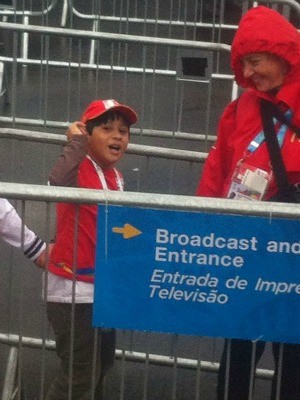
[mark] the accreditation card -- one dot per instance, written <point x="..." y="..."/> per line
<point x="248" y="183"/>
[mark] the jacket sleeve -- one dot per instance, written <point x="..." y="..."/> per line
<point x="65" y="170"/>
<point x="215" y="171"/>
<point x="11" y="228"/>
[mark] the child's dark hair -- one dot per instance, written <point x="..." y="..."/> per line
<point x="110" y="115"/>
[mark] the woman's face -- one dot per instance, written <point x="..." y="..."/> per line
<point x="267" y="71"/>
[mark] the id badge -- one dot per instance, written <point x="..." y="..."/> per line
<point x="248" y="183"/>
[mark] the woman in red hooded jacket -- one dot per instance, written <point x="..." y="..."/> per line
<point x="265" y="58"/>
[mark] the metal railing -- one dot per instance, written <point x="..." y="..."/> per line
<point x="135" y="149"/>
<point x="152" y="51"/>
<point x="25" y="15"/>
<point x="13" y="341"/>
<point x="47" y="194"/>
<point x="177" y="21"/>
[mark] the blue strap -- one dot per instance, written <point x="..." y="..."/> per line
<point x="260" y="137"/>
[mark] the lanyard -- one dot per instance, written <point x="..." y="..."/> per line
<point x="102" y="177"/>
<point x="260" y="137"/>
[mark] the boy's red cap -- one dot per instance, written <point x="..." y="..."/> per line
<point x="99" y="107"/>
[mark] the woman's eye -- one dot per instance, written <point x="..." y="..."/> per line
<point x="251" y="62"/>
<point x="255" y="62"/>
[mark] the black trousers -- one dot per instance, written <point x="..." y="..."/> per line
<point x="93" y="353"/>
<point x="240" y="379"/>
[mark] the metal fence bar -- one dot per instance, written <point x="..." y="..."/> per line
<point x="153" y="21"/>
<point x="176" y="22"/>
<point x="42" y="136"/>
<point x="10" y="373"/>
<point x="135" y="149"/>
<point x="119" y="37"/>
<point x="45" y="323"/>
<point x="64" y="13"/>
<point x="129" y="355"/>
<point x="103" y="67"/>
<point x="20" y="307"/>
<point x="161" y="201"/>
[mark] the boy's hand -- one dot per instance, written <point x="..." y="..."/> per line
<point x="41" y="261"/>
<point x="76" y="128"/>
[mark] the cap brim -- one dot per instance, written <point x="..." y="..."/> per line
<point x="127" y="112"/>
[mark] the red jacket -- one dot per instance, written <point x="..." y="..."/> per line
<point x="63" y="261"/>
<point x="262" y="29"/>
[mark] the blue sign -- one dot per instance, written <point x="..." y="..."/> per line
<point x="196" y="273"/>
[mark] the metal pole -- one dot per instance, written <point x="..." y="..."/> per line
<point x="10" y="374"/>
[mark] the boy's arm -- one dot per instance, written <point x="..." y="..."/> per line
<point x="64" y="172"/>
<point x="11" y="231"/>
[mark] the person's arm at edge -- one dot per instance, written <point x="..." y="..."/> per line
<point x="11" y="227"/>
<point x="214" y="172"/>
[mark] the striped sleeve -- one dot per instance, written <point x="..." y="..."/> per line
<point x="35" y="249"/>
<point x="11" y="228"/>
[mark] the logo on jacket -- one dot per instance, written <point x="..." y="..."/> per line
<point x="295" y="138"/>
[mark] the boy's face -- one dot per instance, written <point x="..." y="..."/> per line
<point x="108" y="142"/>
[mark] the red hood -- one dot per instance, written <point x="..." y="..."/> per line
<point x="264" y="30"/>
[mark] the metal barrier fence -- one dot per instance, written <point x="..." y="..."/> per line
<point x="48" y="88"/>
<point x="142" y="166"/>
<point x="203" y="20"/>
<point x="187" y="16"/>
<point x="27" y="330"/>
<point x="24" y="309"/>
<point x="15" y="11"/>
<point x="13" y="383"/>
<point x="146" y="72"/>
<point x="22" y="331"/>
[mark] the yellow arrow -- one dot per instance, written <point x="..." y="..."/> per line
<point x="128" y="231"/>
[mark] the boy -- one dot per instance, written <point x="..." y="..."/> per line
<point x="94" y="145"/>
